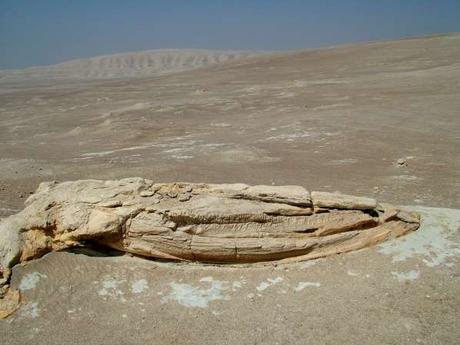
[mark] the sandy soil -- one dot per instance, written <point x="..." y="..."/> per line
<point x="333" y="119"/>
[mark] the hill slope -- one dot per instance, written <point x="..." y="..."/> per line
<point x="134" y="64"/>
<point x="333" y="119"/>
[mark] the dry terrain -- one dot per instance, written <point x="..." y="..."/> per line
<point x="333" y="119"/>
<point x="123" y="65"/>
<point x="378" y="119"/>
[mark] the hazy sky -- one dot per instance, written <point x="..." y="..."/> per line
<point x="37" y="32"/>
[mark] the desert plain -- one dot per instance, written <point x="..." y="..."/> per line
<point x="377" y="119"/>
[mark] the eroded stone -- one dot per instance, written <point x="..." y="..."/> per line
<point x="342" y="201"/>
<point x="196" y="222"/>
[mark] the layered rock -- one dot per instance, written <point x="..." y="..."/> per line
<point x="197" y="222"/>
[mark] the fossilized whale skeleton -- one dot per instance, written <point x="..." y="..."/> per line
<point x="220" y="223"/>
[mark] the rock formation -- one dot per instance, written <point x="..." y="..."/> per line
<point x="197" y="222"/>
<point x="220" y="223"/>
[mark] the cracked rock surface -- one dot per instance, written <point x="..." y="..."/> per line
<point x="219" y="223"/>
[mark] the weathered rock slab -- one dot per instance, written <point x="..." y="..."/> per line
<point x="196" y="222"/>
<point x="341" y="201"/>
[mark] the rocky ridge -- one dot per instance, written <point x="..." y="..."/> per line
<point x="127" y="65"/>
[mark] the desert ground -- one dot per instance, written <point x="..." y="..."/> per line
<point x="376" y="119"/>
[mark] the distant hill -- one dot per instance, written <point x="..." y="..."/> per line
<point x="134" y="64"/>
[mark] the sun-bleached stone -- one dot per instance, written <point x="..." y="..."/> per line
<point x="196" y="222"/>
<point x="342" y="201"/>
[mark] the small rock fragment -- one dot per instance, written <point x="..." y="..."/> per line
<point x="401" y="162"/>
<point x="184" y="197"/>
<point x="146" y="193"/>
<point x="172" y="194"/>
<point x="408" y="217"/>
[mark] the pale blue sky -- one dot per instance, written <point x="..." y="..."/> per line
<point x="41" y="32"/>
